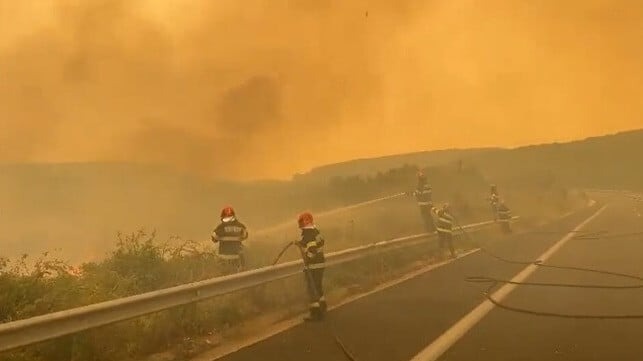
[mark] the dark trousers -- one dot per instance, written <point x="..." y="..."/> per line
<point x="505" y="226"/>
<point x="445" y="240"/>
<point x="427" y="218"/>
<point x="494" y="211"/>
<point x="230" y="266"/>
<point x="314" y="283"/>
<point x="234" y="249"/>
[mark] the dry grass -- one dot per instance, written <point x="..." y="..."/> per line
<point x="139" y="264"/>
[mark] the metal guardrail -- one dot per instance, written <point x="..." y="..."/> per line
<point x="49" y="326"/>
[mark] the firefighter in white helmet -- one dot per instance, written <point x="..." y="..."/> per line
<point x="493" y="199"/>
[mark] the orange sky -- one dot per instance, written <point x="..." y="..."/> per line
<point x="266" y="88"/>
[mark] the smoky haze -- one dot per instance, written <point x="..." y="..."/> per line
<point x="247" y="89"/>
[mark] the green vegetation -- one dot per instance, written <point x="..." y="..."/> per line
<point x="44" y="204"/>
<point x="139" y="264"/>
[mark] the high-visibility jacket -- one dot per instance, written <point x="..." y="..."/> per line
<point x="444" y="222"/>
<point x="423" y="196"/>
<point x="504" y="214"/>
<point x="312" y="244"/>
<point x="230" y="236"/>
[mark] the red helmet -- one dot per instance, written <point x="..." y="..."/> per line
<point x="305" y="219"/>
<point x="227" y="212"/>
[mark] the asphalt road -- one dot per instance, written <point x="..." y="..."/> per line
<point x="399" y="322"/>
<point x="504" y="335"/>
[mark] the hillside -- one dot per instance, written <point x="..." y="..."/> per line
<point x="605" y="161"/>
<point x="82" y="207"/>
<point x="613" y="161"/>
<point x="370" y="166"/>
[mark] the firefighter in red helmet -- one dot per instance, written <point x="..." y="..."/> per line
<point x="230" y="234"/>
<point x="311" y="245"/>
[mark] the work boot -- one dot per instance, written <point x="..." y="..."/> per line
<point x="323" y="307"/>
<point x="315" y="312"/>
<point x="313" y="316"/>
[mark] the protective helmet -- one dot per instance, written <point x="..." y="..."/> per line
<point x="305" y="219"/>
<point x="227" y="212"/>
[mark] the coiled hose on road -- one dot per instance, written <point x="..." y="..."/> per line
<point x="494" y="282"/>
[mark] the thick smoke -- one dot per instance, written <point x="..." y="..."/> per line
<point x="260" y="88"/>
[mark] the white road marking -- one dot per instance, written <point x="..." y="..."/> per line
<point x="235" y="346"/>
<point x="440" y="345"/>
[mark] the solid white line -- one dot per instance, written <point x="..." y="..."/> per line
<point x="460" y="328"/>
<point x="234" y="346"/>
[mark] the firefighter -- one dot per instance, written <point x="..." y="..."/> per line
<point x="230" y="234"/>
<point x="445" y="227"/>
<point x="494" y="198"/>
<point x="423" y="195"/>
<point x="504" y="216"/>
<point x="311" y="246"/>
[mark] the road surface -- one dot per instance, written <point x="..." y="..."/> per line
<point x="401" y="321"/>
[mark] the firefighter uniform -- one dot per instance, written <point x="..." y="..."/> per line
<point x="445" y="228"/>
<point x="312" y="247"/>
<point x="504" y="217"/>
<point x="493" y="202"/>
<point x="423" y="195"/>
<point x="230" y="234"/>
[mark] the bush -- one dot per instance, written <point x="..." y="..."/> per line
<point x="139" y="264"/>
